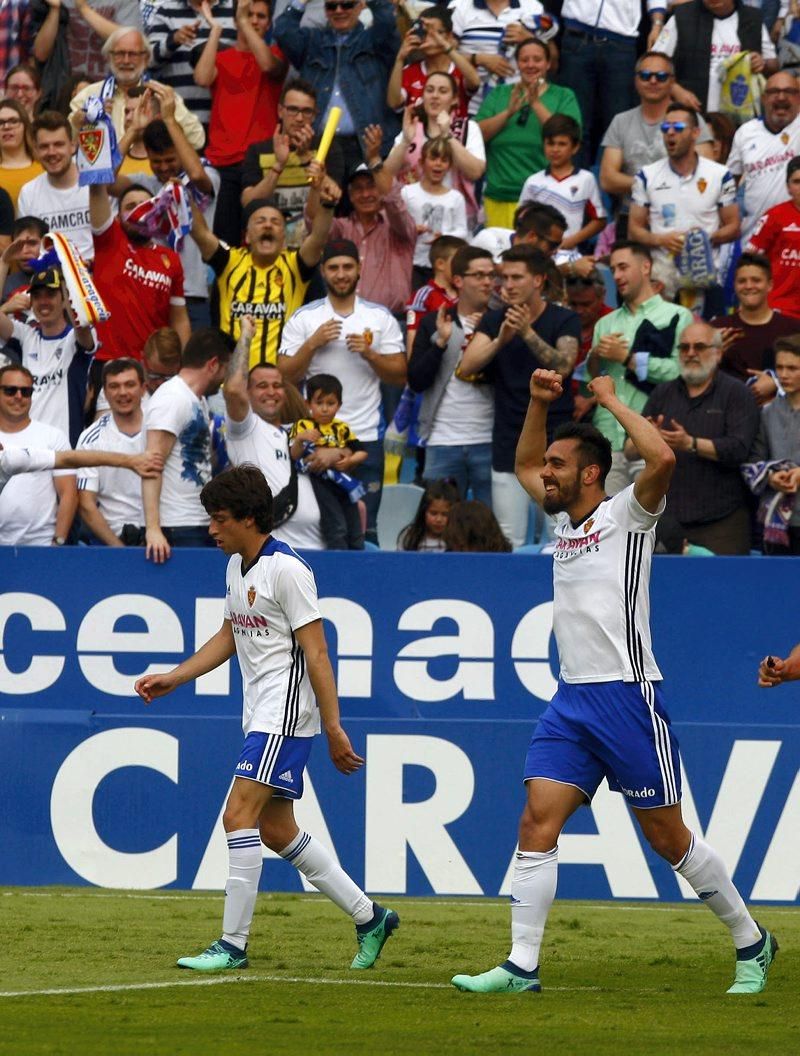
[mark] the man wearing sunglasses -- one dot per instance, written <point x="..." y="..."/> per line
<point x="348" y="66"/>
<point x="763" y="147"/>
<point x="710" y="421"/>
<point x="684" y="193"/>
<point x="634" y="139"/>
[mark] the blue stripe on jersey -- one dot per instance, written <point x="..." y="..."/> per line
<point x="275" y="546"/>
<point x="94" y="430"/>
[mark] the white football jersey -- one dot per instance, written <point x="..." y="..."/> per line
<point x="601" y="590"/>
<point x="266" y="603"/>
<point x="118" y="491"/>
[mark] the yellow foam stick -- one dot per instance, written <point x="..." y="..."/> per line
<point x="328" y="133"/>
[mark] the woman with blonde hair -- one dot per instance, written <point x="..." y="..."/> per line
<point x="18" y="162"/>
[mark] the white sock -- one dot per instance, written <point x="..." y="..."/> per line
<point x="533" y="889"/>
<point x="315" y="863"/>
<point x="244" y="872"/>
<point x="704" y="870"/>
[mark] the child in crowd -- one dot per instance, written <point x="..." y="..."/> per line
<point x="426" y="531"/>
<point x="336" y="491"/>
<point x="438" y="291"/>
<point x="435" y="209"/>
<point x="432" y="35"/>
<point x="574" y="192"/>
<point x="473" y="528"/>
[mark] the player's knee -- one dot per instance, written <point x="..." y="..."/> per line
<point x="537" y="832"/>
<point x="667" y="841"/>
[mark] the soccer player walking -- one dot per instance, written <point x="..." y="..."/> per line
<point x="273" y="623"/>
<point x="607" y="718"/>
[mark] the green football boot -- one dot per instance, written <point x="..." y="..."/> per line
<point x="217" y="958"/>
<point x="372" y="937"/>
<point x="752" y="968"/>
<point x="505" y="979"/>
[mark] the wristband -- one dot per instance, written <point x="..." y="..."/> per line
<point x="274" y="168"/>
<point x="694" y="445"/>
<point x="376" y="166"/>
<point x="327" y="205"/>
<point x="58" y="541"/>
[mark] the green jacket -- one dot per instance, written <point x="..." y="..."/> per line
<point x="648" y="368"/>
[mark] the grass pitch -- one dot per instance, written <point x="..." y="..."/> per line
<point x="92" y="972"/>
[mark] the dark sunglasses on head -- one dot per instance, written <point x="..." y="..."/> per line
<point x="23" y="390"/>
<point x="344" y="5"/>
<point x="673" y="126"/>
<point x="653" y="75"/>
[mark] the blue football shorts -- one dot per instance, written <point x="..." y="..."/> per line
<point x="616" y="730"/>
<point x="274" y="760"/>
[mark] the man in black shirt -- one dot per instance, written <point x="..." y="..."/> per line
<point x="509" y="344"/>
<point x="710" y="420"/>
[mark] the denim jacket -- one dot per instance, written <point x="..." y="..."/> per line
<point x="365" y="63"/>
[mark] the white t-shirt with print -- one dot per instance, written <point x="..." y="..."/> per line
<point x="175" y="409"/>
<point x="64" y="210"/>
<point x="440" y="214"/>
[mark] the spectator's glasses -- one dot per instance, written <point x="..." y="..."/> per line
<point x="153" y="375"/>
<point x="673" y="126"/>
<point x="772" y="92"/>
<point x="21" y="89"/>
<point x="127" y="54"/>
<point x="653" y="75"/>
<point x="337" y="5"/>
<point x="23" y="390"/>
<point x="481" y="276"/>
<point x="299" y="111"/>
<point x="10" y="122"/>
<point x="693" y="346"/>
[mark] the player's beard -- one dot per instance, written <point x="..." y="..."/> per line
<point x="563" y="498"/>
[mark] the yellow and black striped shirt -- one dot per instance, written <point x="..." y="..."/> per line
<point x="270" y="295"/>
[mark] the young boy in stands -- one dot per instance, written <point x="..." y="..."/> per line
<point x="336" y="491"/>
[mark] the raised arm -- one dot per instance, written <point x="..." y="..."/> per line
<point x="659" y="459"/>
<point x="327" y="194"/>
<point x="268" y="62"/>
<point x="545" y="386"/>
<point x="45" y="39"/>
<point x="102" y="26"/>
<point x="207" y="241"/>
<point x="237" y="376"/>
<point x="187" y="155"/>
<point x="205" y="72"/>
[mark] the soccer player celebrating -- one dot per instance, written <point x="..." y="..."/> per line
<point x="272" y="622"/>
<point x="607" y="718"/>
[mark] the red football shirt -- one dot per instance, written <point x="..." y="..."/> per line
<point x="244" y="106"/>
<point x="138" y="285"/>
<point x="413" y="81"/>
<point x="777" y="235"/>
<point x="428" y="298"/>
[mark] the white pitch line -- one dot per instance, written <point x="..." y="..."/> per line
<point x="310" y="899"/>
<point x="218" y="980"/>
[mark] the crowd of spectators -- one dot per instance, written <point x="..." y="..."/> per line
<point x="587" y="187"/>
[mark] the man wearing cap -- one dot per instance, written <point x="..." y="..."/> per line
<point x="357" y="341"/>
<point x="384" y="232"/>
<point x="263" y="278"/>
<point x="57" y="355"/>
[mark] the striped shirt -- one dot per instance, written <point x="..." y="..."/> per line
<point x="266" y="602"/>
<point x="174" y="64"/>
<point x="601" y="592"/>
<point x="269" y="294"/>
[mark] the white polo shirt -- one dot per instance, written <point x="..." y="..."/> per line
<point x="118" y="490"/>
<point x="760" y="158"/>
<point x="678" y="203"/>
<point x="361" y="389"/>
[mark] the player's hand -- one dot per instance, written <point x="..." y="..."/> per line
<point x="326" y="333"/>
<point x="613" y="347"/>
<point x="546" y="385"/>
<point x="771" y="672"/>
<point x="149" y="687"/>
<point x="603" y="389"/>
<point x="764" y="387"/>
<point x="149" y="464"/>
<point x="341" y="751"/>
<point x="157" y="548"/>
